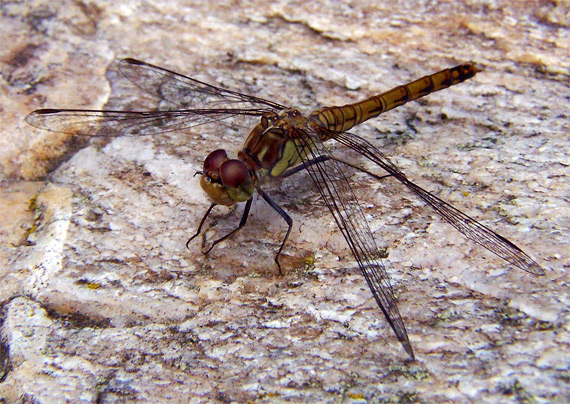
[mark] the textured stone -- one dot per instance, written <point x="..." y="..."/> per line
<point x="103" y="303"/>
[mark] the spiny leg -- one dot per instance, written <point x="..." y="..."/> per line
<point x="201" y="224"/>
<point x="242" y="223"/>
<point x="319" y="159"/>
<point x="285" y="216"/>
<point x="303" y="166"/>
<point x="274" y="205"/>
<point x="378" y="177"/>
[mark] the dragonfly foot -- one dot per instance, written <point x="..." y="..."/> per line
<point x="278" y="266"/>
<point x="190" y="239"/>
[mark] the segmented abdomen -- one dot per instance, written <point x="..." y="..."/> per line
<point x="345" y="117"/>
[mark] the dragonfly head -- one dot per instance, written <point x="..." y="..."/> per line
<point x="226" y="181"/>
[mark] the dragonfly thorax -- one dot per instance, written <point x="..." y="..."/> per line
<point x="271" y="149"/>
<point x="226" y="181"/>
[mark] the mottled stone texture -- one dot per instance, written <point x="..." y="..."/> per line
<point x="103" y="303"/>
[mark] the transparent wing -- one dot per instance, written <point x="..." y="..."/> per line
<point x="186" y="92"/>
<point x="201" y="104"/>
<point x="335" y="190"/>
<point x="468" y="226"/>
<point x="129" y="123"/>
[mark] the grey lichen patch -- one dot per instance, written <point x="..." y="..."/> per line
<point x="409" y="370"/>
<point x="448" y="315"/>
<point x="508" y="316"/>
<point x="408" y="397"/>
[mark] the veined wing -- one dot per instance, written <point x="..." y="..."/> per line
<point x="129" y="123"/>
<point x="202" y="103"/>
<point x="334" y="188"/>
<point x="468" y="226"/>
<point x="186" y="92"/>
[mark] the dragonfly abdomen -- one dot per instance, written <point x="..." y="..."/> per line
<point x="343" y="118"/>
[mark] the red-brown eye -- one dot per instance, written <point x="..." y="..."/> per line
<point x="215" y="160"/>
<point x="234" y="173"/>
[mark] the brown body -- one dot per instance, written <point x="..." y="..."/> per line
<point x="272" y="148"/>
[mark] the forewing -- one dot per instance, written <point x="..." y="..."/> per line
<point x="186" y="92"/>
<point x="129" y="123"/>
<point x="335" y="190"/>
<point x="200" y="104"/>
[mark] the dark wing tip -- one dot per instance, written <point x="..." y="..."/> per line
<point x="34" y="118"/>
<point x="45" y="111"/>
<point x="132" y="61"/>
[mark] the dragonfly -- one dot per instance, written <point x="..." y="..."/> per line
<point x="283" y="143"/>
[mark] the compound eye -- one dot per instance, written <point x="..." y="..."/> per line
<point x="234" y="173"/>
<point x="214" y="160"/>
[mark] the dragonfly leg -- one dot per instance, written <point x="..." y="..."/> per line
<point x="285" y="216"/>
<point x="303" y="166"/>
<point x="201" y="224"/>
<point x="319" y="159"/>
<point x="378" y="177"/>
<point x="242" y="223"/>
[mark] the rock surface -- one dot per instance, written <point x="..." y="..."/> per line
<point x="103" y="303"/>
